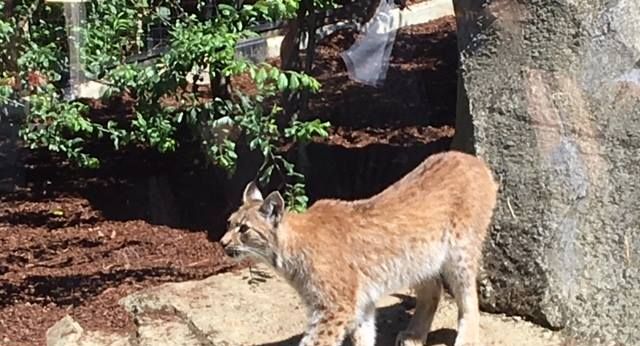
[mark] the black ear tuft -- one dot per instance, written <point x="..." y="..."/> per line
<point x="251" y="193"/>
<point x="273" y="207"/>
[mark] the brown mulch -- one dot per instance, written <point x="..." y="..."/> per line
<point x="415" y="105"/>
<point x="405" y="136"/>
<point x="77" y="263"/>
<point x="420" y="86"/>
<point x="63" y="252"/>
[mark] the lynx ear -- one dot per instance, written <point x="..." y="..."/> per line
<point x="251" y="193"/>
<point x="273" y="207"/>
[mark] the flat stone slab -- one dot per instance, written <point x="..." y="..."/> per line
<point x="160" y="328"/>
<point x="259" y="308"/>
<point x="229" y="309"/>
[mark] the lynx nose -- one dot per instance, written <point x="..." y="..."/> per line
<point x="226" y="240"/>
<point x="229" y="250"/>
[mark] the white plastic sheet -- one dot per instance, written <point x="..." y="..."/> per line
<point x="367" y="61"/>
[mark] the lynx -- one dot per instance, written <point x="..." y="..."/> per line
<point x="342" y="256"/>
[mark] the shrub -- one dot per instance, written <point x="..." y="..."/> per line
<point x="34" y="59"/>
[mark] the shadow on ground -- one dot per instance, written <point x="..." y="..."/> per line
<point x="390" y="320"/>
<point x="75" y="289"/>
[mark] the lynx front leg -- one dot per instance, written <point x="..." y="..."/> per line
<point x="327" y="329"/>
<point x="365" y="332"/>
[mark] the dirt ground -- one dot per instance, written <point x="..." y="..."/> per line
<point x="70" y="243"/>
<point x="419" y="90"/>
<point x="60" y="256"/>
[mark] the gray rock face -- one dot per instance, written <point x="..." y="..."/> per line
<point x="549" y="96"/>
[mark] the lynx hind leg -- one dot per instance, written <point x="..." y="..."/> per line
<point x="427" y="299"/>
<point x="460" y="272"/>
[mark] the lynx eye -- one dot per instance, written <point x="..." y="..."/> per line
<point x="243" y="229"/>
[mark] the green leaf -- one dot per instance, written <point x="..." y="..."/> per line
<point x="283" y="82"/>
<point x="261" y="76"/>
<point x="294" y="82"/>
<point x="274" y="73"/>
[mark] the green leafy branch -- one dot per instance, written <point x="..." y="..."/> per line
<point x="163" y="89"/>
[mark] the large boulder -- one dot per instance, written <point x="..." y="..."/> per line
<point x="549" y="96"/>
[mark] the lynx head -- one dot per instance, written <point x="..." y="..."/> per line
<point x="252" y="229"/>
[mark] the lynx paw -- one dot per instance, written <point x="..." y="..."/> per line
<point x="408" y="339"/>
